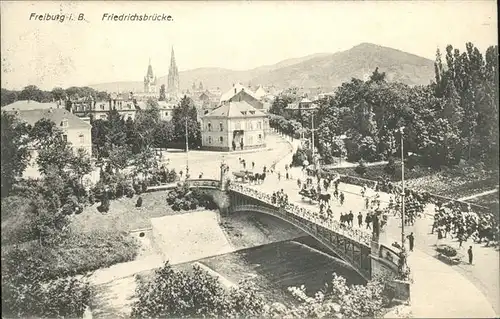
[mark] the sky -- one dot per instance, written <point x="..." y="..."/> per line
<point x="234" y="35"/>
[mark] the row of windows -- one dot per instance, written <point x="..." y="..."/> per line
<point x="221" y="127"/>
<point x="237" y="126"/>
<point x="81" y="138"/>
<point x="221" y="139"/>
<point x="209" y="139"/>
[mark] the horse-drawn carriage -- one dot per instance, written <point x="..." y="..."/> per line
<point x="247" y="176"/>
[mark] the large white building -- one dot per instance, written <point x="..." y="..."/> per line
<point x="234" y="126"/>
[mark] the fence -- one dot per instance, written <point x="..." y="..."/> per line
<point x="433" y="198"/>
<point x="354" y="234"/>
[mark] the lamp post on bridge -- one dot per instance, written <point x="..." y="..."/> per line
<point x="403" y="249"/>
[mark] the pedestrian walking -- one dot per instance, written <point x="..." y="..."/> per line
<point x="360" y="220"/>
<point x="279" y="176"/>
<point x="201" y="175"/>
<point x="471" y="256"/>
<point x="341" y="198"/>
<point x="411" y="239"/>
<point x="368" y="220"/>
<point x="253" y="165"/>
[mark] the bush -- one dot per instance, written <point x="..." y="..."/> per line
<point x="172" y="176"/>
<point x="390" y="168"/>
<point x="144" y="186"/>
<point x="412" y="161"/>
<point x="139" y="202"/>
<point x="361" y="168"/>
<point x="446" y="250"/>
<point x="104" y="207"/>
<point x="179" y="294"/>
<point x="137" y="188"/>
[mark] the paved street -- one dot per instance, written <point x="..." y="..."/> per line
<point x="437" y="287"/>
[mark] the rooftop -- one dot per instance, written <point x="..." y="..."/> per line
<point x="25" y="105"/>
<point x="235" y="109"/>
<point x="235" y="89"/>
<point x="55" y="115"/>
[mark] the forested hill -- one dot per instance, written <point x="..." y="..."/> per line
<point x="324" y="70"/>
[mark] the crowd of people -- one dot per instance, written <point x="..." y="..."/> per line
<point x="450" y="219"/>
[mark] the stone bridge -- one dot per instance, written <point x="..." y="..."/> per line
<point x="356" y="247"/>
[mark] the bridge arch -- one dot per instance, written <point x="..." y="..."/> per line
<point x="327" y="242"/>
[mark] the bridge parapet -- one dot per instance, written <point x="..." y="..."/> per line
<point x="204" y="183"/>
<point x="332" y="225"/>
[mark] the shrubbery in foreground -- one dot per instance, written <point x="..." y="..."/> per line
<point x="171" y="293"/>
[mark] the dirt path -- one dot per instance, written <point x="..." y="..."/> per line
<point x="479" y="195"/>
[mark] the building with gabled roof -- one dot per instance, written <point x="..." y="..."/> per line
<point x="239" y="93"/>
<point x="260" y="92"/>
<point x="75" y="130"/>
<point x="234" y="126"/>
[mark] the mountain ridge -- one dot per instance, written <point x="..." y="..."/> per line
<point x="319" y="70"/>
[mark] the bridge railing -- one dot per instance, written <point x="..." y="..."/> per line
<point x="333" y="225"/>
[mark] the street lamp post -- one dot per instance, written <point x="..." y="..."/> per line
<point x="187" y="149"/>
<point x="312" y="136"/>
<point x="402" y="193"/>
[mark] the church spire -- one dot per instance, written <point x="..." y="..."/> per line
<point x="150" y="70"/>
<point x="173" y="75"/>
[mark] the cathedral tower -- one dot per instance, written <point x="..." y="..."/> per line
<point x="150" y="80"/>
<point x="173" y="76"/>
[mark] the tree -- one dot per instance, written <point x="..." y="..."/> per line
<point x="163" y="95"/>
<point x="145" y="163"/>
<point x="186" y="111"/>
<point x="119" y="157"/>
<point x="55" y="152"/>
<point x="164" y="134"/>
<point x="8" y="97"/>
<point x="178" y="294"/>
<point x="147" y="123"/>
<point x="15" y="150"/>
<point x="59" y="94"/>
<point x="31" y="92"/>
<point x="100" y="132"/>
<point x="116" y="134"/>
<point x="81" y="165"/>
<point x="377" y="76"/>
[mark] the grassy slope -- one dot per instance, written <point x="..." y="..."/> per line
<point x="455" y="183"/>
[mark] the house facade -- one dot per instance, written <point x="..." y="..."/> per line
<point x="234" y="126"/>
<point x="75" y="131"/>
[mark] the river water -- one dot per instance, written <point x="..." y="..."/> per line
<point x="276" y="266"/>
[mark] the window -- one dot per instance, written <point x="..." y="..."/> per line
<point x="251" y="125"/>
<point x="102" y="106"/>
<point x="166" y="113"/>
<point x="260" y="137"/>
<point x="221" y="139"/>
<point x="82" y="138"/>
<point x="210" y="127"/>
<point x="65" y="137"/>
<point x="221" y="127"/>
<point x="259" y="125"/>
<point x="209" y="140"/>
<point x="64" y="123"/>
